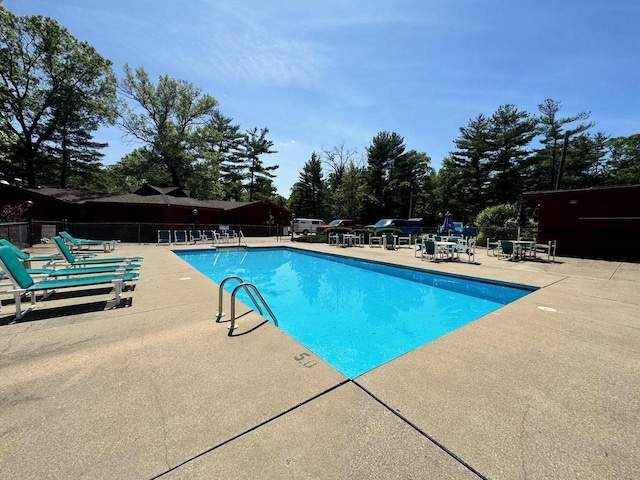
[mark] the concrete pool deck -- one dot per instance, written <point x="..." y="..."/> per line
<point x="546" y="387"/>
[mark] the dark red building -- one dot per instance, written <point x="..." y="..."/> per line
<point x="149" y="208"/>
<point x="592" y="222"/>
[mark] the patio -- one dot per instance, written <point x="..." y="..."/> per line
<point x="546" y="387"/>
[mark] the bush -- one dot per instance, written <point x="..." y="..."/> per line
<point x="495" y="217"/>
<point x="383" y="231"/>
<point x="310" y="238"/>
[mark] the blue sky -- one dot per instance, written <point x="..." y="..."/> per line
<point x="323" y="74"/>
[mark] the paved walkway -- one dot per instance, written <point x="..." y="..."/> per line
<point x="546" y="387"/>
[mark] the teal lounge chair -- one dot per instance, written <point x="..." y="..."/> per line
<point x="24" y="283"/>
<point x="68" y="272"/>
<point x="79" y="243"/>
<point x="73" y="260"/>
<point x="25" y="257"/>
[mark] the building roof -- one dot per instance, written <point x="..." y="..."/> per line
<point x="140" y="195"/>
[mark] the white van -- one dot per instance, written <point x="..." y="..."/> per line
<point x="306" y="225"/>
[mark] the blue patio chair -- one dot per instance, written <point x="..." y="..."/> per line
<point x="195" y="236"/>
<point x="164" y="236"/>
<point x="180" y="236"/>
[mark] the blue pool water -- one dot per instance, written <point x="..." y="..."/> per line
<point x="356" y="315"/>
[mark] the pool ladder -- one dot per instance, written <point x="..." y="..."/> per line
<point x="251" y="290"/>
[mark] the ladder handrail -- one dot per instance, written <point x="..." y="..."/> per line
<point x="215" y="241"/>
<point x="242" y="238"/>
<point x="221" y="290"/>
<point x="246" y="286"/>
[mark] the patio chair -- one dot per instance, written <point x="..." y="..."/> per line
<point x="164" y="236"/>
<point x="208" y="235"/>
<point x="546" y="248"/>
<point x="404" y="240"/>
<point x="195" y="236"/>
<point x="506" y="250"/>
<point x="375" y="241"/>
<point x="467" y="248"/>
<point x="390" y="241"/>
<point x="527" y="248"/>
<point x="492" y="246"/>
<point x="24" y="283"/>
<point x="180" y="236"/>
<point x="428" y="249"/>
<point x="75" y="261"/>
<point x="79" y="243"/>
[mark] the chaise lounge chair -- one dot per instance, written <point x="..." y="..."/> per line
<point x="25" y="257"/>
<point x="24" y="283"/>
<point x="79" y="243"/>
<point x="73" y="260"/>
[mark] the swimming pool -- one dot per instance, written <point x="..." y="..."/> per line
<point x="355" y="314"/>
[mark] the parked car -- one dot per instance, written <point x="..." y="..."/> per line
<point x="408" y="226"/>
<point x="341" y="222"/>
<point x="306" y="225"/>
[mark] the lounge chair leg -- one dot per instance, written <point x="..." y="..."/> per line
<point x="118" y="289"/>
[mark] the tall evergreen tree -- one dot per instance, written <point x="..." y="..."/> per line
<point x="384" y="151"/>
<point x="545" y="164"/>
<point x="255" y="145"/>
<point x="582" y="168"/>
<point x="310" y="190"/>
<point x="408" y="176"/>
<point x="623" y="167"/>
<point x="225" y="143"/>
<point x="512" y="132"/>
<point x="473" y="154"/>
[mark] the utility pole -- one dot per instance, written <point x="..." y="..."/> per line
<point x="563" y="159"/>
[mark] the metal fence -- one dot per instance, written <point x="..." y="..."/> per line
<point x="19" y="232"/>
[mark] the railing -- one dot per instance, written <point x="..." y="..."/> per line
<point x="143" y="232"/>
<point x="242" y="239"/>
<point x="250" y="289"/>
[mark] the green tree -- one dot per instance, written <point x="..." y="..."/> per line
<point x="171" y="125"/>
<point x="52" y="88"/>
<point x="584" y="162"/>
<point x="310" y="190"/>
<point x="512" y="132"/>
<point x="545" y="163"/>
<point x="225" y="142"/>
<point x="623" y="167"/>
<point x="348" y="199"/>
<point x="407" y="178"/>
<point x="382" y="154"/>
<point x="474" y="149"/>
<point x="255" y="145"/>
